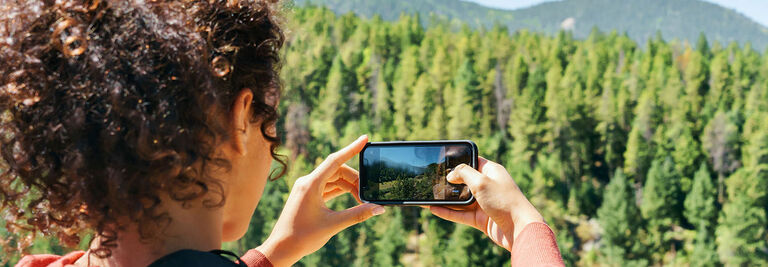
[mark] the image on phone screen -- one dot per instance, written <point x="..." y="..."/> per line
<point x="411" y="172"/>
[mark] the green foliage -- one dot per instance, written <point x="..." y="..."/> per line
<point x="661" y="204"/>
<point x="459" y="109"/>
<point x="700" y="209"/>
<point x="741" y="233"/>
<point x="390" y="244"/>
<point x="620" y="219"/>
<point x="704" y="249"/>
<point x="684" y="20"/>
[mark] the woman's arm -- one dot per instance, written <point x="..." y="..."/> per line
<point x="254" y="258"/>
<point x="503" y="213"/>
<point x="536" y="246"/>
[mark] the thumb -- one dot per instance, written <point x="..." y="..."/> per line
<point x="357" y="214"/>
<point x="464" y="174"/>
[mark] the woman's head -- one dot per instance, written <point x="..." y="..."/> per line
<point x="108" y="107"/>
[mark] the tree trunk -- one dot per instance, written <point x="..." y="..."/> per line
<point x="720" y="188"/>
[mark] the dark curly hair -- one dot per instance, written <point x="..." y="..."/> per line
<point x="108" y="105"/>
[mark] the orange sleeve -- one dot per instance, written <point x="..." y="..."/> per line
<point x="536" y="246"/>
<point x="47" y="260"/>
<point x="254" y="258"/>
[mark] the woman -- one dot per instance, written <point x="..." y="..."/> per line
<point x="152" y="125"/>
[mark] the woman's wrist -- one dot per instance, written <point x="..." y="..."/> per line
<point x="278" y="252"/>
<point x="523" y="215"/>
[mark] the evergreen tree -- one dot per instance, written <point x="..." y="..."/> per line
<point x="390" y="242"/>
<point x="686" y="151"/>
<point x="327" y="117"/>
<point x="382" y="97"/>
<point x="458" y="106"/>
<point x="460" y="246"/>
<point x="694" y="76"/>
<point x="422" y="96"/>
<point x="719" y="81"/>
<point x="741" y="233"/>
<point x="620" y="219"/>
<point x="405" y="78"/>
<point x="700" y="209"/>
<point x="704" y="250"/>
<point x="720" y="142"/>
<point x="661" y="206"/>
<point x="638" y="156"/>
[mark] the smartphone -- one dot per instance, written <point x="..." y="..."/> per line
<point x="413" y="172"/>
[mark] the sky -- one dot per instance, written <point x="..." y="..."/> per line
<point x="757" y="10"/>
<point x="409" y="155"/>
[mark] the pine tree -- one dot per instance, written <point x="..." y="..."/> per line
<point x="700" y="209"/>
<point x="433" y="243"/>
<point x="685" y="153"/>
<point x="612" y="136"/>
<point x="620" y="219"/>
<point x="390" y="242"/>
<point x="405" y="78"/>
<point x="741" y="233"/>
<point x="326" y="118"/>
<point x="639" y="153"/>
<point x="421" y="96"/>
<point x="458" y="106"/>
<point x="661" y="204"/>
<point x="460" y="246"/>
<point x="382" y="98"/>
<point x="694" y="77"/>
<point x="704" y="250"/>
<point x="719" y="81"/>
<point x="720" y="143"/>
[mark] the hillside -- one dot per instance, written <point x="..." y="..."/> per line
<point x="640" y="19"/>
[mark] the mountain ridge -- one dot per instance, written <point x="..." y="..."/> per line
<point x="640" y="19"/>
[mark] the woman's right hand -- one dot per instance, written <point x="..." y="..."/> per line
<point x="500" y="210"/>
<point x="306" y="223"/>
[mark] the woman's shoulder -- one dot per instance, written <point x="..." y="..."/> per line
<point x="48" y="260"/>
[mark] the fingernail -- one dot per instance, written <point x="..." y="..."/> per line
<point x="378" y="210"/>
<point x="362" y="136"/>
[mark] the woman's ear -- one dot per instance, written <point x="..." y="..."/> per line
<point x="240" y="120"/>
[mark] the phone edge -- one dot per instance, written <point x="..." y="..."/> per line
<point x="475" y="164"/>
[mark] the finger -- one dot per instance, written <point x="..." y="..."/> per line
<point x="464" y="174"/>
<point x="481" y="161"/>
<point x="462" y="217"/>
<point x="335" y="160"/>
<point x="349" y="174"/>
<point x="345" y="187"/>
<point x="327" y="196"/>
<point x="357" y="214"/>
<point x="490" y="168"/>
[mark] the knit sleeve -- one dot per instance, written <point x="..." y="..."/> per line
<point x="254" y="258"/>
<point x="536" y="246"/>
<point x="47" y="260"/>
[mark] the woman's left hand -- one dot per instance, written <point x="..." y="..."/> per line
<point x="306" y="224"/>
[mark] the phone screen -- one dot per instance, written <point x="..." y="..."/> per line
<point x="414" y="171"/>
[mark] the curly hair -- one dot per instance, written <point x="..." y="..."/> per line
<point x="105" y="106"/>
